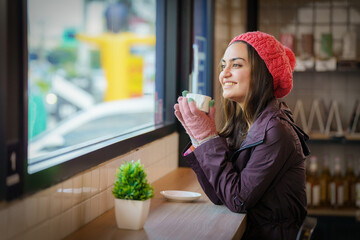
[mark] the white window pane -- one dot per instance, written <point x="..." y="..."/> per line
<point x="91" y="72"/>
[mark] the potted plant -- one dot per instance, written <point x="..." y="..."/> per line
<point x="132" y="196"/>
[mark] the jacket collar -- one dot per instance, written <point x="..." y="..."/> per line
<point x="256" y="133"/>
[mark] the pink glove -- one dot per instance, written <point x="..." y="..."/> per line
<point x="200" y="125"/>
<point x="180" y="118"/>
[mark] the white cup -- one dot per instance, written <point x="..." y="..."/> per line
<point x="201" y="101"/>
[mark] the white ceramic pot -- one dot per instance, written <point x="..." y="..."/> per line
<point x="131" y="214"/>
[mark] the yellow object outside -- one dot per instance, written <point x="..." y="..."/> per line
<point x="123" y="70"/>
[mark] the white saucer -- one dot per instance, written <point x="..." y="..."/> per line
<point x="184" y="196"/>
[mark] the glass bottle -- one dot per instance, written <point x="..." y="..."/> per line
<point x="349" y="184"/>
<point x="308" y="184"/>
<point x="324" y="183"/>
<point x="357" y="186"/>
<point x="313" y="184"/>
<point x="337" y="186"/>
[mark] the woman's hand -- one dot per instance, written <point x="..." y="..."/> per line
<point x="178" y="115"/>
<point x="197" y="124"/>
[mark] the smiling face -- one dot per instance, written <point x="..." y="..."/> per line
<point x="236" y="72"/>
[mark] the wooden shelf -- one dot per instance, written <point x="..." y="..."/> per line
<point x="341" y="70"/>
<point x="341" y="212"/>
<point x="321" y="138"/>
<point x="353" y="137"/>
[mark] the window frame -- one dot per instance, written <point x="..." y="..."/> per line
<point x="3" y="87"/>
<point x="166" y="78"/>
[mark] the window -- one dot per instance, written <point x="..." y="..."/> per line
<point x="91" y="74"/>
<point x="30" y="98"/>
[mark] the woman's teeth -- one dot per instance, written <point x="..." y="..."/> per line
<point x="229" y="84"/>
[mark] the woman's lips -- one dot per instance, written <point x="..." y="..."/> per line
<point x="228" y="84"/>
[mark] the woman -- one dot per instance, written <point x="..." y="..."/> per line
<point x="256" y="164"/>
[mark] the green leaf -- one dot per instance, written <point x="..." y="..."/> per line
<point x="131" y="182"/>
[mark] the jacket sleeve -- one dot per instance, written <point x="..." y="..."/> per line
<point x="204" y="183"/>
<point x="240" y="190"/>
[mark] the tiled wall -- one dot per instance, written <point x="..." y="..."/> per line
<point x="311" y="16"/>
<point x="230" y="21"/>
<point x="343" y="87"/>
<point x="60" y="210"/>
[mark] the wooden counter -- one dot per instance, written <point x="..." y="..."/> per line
<point x="172" y="220"/>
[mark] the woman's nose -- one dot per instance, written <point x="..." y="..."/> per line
<point x="226" y="72"/>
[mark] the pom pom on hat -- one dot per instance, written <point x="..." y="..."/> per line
<point x="279" y="59"/>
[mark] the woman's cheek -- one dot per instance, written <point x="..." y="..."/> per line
<point x="220" y="77"/>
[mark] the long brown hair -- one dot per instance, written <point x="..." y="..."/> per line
<point x="238" y="120"/>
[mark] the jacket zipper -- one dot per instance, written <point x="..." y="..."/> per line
<point x="251" y="145"/>
<point x="244" y="147"/>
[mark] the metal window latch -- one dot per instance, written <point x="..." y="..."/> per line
<point x="12" y="176"/>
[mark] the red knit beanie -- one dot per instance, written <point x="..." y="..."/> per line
<point x="279" y="59"/>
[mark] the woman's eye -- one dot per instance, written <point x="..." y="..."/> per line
<point x="222" y="67"/>
<point x="236" y="65"/>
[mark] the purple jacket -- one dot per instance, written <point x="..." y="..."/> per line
<point x="265" y="178"/>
